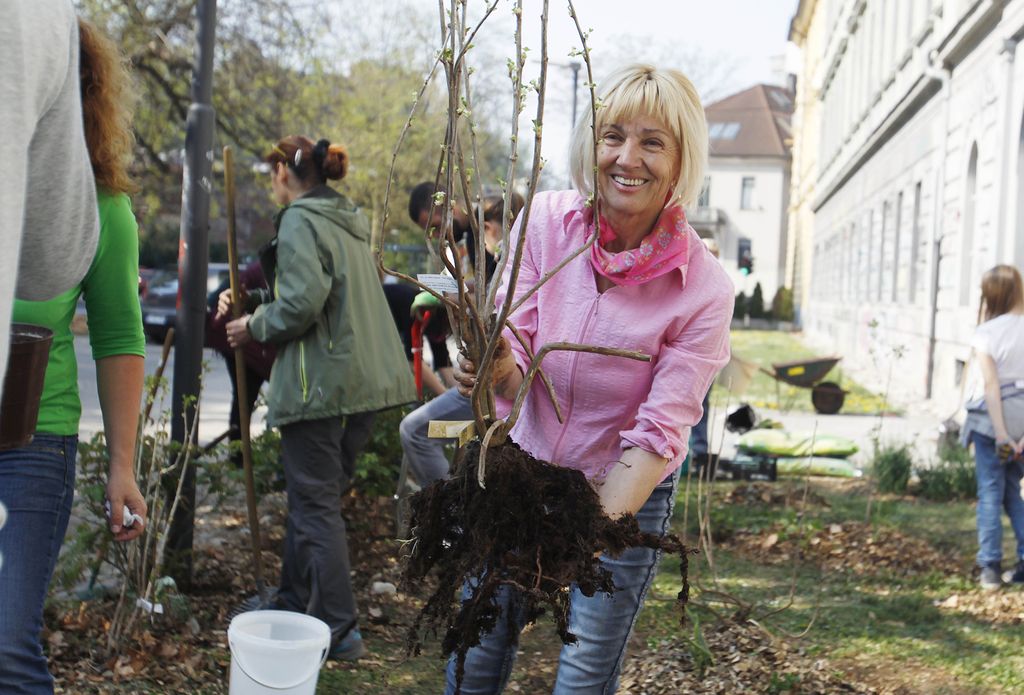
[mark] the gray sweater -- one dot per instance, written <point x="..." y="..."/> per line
<point x="48" y="219"/>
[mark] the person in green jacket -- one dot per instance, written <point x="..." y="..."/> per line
<point x="37" y="481"/>
<point x="339" y="361"/>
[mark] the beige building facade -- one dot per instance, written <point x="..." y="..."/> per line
<point x="908" y="169"/>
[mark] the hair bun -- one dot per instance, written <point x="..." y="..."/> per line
<point x="335" y="162"/>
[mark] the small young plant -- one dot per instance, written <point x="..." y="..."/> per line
<point x="891" y="467"/>
<point x="951" y="477"/>
<point x="144" y="591"/>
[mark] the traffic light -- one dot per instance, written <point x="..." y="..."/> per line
<point x="744" y="257"/>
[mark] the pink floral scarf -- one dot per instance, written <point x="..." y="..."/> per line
<point x="661" y="251"/>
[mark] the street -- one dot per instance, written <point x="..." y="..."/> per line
<point x="214" y="405"/>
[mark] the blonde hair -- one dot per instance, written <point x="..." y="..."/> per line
<point x="1002" y="291"/>
<point x="665" y="94"/>
<point x="107" y="106"/>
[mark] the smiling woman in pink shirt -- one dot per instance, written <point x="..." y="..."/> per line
<point x="649" y="285"/>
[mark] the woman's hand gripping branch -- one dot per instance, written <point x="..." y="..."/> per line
<point x="237" y="330"/>
<point x="506" y="376"/>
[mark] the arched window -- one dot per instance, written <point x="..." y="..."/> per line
<point x="915" y="245"/>
<point x="967" y="247"/>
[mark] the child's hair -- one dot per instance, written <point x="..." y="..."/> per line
<point x="313" y="163"/>
<point x="494" y="208"/>
<point x="1001" y="292"/>
<point x="107" y="104"/>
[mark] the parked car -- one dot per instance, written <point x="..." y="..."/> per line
<point x="145" y="276"/>
<point x="160" y="299"/>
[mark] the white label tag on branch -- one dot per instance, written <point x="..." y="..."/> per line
<point x="150" y="608"/>
<point x="439" y="283"/>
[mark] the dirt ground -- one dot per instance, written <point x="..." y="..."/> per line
<point x="186" y="652"/>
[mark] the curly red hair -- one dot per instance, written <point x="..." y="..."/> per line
<point x="107" y="107"/>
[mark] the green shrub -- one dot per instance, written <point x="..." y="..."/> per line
<point x="949" y="478"/>
<point x="782" y="304"/>
<point x="739" y="309"/>
<point x="891" y="467"/>
<point x="266" y="461"/>
<point x="756" y="306"/>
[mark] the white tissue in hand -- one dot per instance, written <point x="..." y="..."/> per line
<point x="128" y="519"/>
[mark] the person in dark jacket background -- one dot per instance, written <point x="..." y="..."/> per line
<point x="339" y="361"/>
<point x="259" y="357"/>
<point x="422" y="455"/>
<point x="419" y="326"/>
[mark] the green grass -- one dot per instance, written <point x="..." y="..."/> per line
<point x="874" y="627"/>
<point x="767" y="347"/>
<point x="890" y="624"/>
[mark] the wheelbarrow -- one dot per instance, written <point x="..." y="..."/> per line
<point x="826" y="396"/>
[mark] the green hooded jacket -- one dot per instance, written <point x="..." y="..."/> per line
<point x="338" y="350"/>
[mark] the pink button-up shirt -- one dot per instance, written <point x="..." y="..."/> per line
<point x="609" y="404"/>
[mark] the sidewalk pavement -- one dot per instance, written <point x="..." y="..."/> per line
<point x="917" y="426"/>
<point x="214" y="404"/>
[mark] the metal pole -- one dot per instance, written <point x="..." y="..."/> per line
<point x="193" y="258"/>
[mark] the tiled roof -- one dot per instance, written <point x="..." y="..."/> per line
<point x="752" y="123"/>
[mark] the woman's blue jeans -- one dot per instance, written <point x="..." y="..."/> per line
<point x="998" y="489"/>
<point x="601" y="623"/>
<point x="37" y="485"/>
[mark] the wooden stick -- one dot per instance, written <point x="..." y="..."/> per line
<point x="168" y="344"/>
<point x="240" y="379"/>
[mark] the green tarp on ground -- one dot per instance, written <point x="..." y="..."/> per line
<point x="782" y="443"/>
<point x="817" y="465"/>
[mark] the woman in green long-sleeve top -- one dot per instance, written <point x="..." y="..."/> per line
<point x="37" y="481"/>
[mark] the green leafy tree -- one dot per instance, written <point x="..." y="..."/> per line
<point x="782" y="304"/>
<point x="283" y="68"/>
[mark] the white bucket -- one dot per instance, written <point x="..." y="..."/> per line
<point x="276" y="653"/>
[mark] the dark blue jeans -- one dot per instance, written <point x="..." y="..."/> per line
<point x="37" y="485"/>
<point x="602" y="622"/>
<point x="699" y="433"/>
<point x="998" y="490"/>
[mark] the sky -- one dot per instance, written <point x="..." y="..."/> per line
<point x="747" y="33"/>
<point x="724" y="45"/>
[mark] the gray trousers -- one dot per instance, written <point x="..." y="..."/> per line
<point x="425" y="457"/>
<point x="319" y="460"/>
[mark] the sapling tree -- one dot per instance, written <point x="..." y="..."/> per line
<point x="503" y="519"/>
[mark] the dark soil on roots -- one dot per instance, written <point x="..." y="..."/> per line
<point x="535" y="528"/>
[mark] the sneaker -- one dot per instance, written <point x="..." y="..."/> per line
<point x="255" y="603"/>
<point x="1016" y="575"/>
<point x="350" y="648"/>
<point x="991" y="578"/>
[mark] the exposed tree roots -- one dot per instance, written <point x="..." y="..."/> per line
<point x="536" y="528"/>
